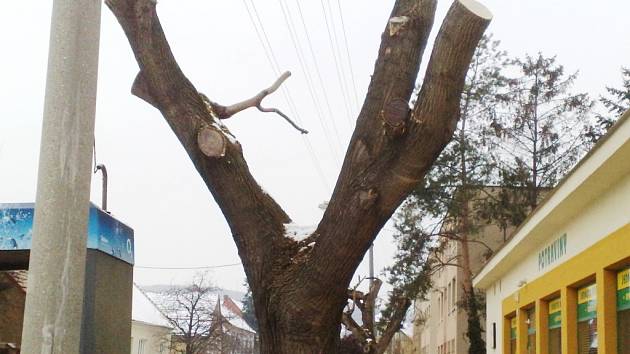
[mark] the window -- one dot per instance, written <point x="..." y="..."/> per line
<point x="448" y="296"/>
<point x="554" y="324"/>
<point x="513" y="335"/>
<point x="623" y="311"/>
<point x="531" y="331"/>
<point x="454" y="294"/>
<point x="494" y="335"/>
<point x="440" y="306"/>
<point x="587" y="320"/>
<point x="141" y="344"/>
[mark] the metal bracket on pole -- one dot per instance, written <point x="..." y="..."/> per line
<point x="103" y="169"/>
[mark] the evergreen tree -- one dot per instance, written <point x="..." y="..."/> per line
<point x="440" y="211"/>
<point x="249" y="314"/>
<point x="541" y="126"/>
<point x="616" y="102"/>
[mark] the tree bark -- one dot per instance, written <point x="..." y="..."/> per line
<point x="299" y="300"/>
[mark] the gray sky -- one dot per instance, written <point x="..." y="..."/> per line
<point x="153" y="186"/>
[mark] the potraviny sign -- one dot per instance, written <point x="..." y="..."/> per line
<point x="552" y="252"/>
<point x="105" y="233"/>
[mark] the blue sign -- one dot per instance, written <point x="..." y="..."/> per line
<point x="105" y="233"/>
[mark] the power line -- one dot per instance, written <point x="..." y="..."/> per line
<point x="315" y="61"/>
<point x="345" y="39"/>
<point x="190" y="268"/>
<point x="298" y="50"/>
<point x="271" y="58"/>
<point x="340" y="75"/>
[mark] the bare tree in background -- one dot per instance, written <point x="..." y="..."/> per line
<point x="300" y="287"/>
<point x="191" y="310"/>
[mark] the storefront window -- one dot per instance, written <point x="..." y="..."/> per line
<point x="587" y="320"/>
<point x="623" y="311"/>
<point x="531" y="331"/>
<point x="513" y="335"/>
<point x="555" y="324"/>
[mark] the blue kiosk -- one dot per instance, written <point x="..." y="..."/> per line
<point x="106" y="324"/>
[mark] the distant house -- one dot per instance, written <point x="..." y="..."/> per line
<point x="230" y="335"/>
<point x="150" y="331"/>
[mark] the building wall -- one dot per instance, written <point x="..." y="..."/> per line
<point x="11" y="310"/>
<point x="444" y="331"/>
<point x="585" y="227"/>
<point x="401" y="344"/>
<point x="149" y="339"/>
<point x="421" y="331"/>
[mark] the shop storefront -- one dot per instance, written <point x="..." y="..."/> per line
<point x="561" y="284"/>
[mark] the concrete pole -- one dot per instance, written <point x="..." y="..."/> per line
<point x="371" y="264"/>
<point x="54" y="301"/>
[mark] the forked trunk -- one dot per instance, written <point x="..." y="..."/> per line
<point x="286" y="329"/>
<point x="300" y="287"/>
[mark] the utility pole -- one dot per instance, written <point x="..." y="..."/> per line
<point x="54" y="302"/>
<point x="371" y="263"/>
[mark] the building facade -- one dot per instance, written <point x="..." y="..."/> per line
<point x="150" y="331"/>
<point x="562" y="282"/>
<point x="441" y="323"/>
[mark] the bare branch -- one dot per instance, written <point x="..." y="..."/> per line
<point x="275" y="110"/>
<point x="225" y="112"/>
<point x="370" y="305"/>
<point x="354" y="327"/>
<point x="255" y="101"/>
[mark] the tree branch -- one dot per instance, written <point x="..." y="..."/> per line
<point x="370" y="307"/>
<point x="255" y="219"/>
<point x="352" y="218"/>
<point x="225" y="112"/>
<point x="383" y="166"/>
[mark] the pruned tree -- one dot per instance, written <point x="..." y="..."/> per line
<point x="364" y="333"/>
<point x="191" y="312"/>
<point x="300" y="287"/>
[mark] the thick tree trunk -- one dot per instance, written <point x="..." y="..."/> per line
<point x="299" y="295"/>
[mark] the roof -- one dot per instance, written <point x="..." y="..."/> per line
<point x="144" y="310"/>
<point x="19" y="277"/>
<point x="231" y="310"/>
<point x="602" y="166"/>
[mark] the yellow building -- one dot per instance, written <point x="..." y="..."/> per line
<point x="562" y="282"/>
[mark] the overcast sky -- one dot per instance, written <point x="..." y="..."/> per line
<point x="154" y="187"/>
